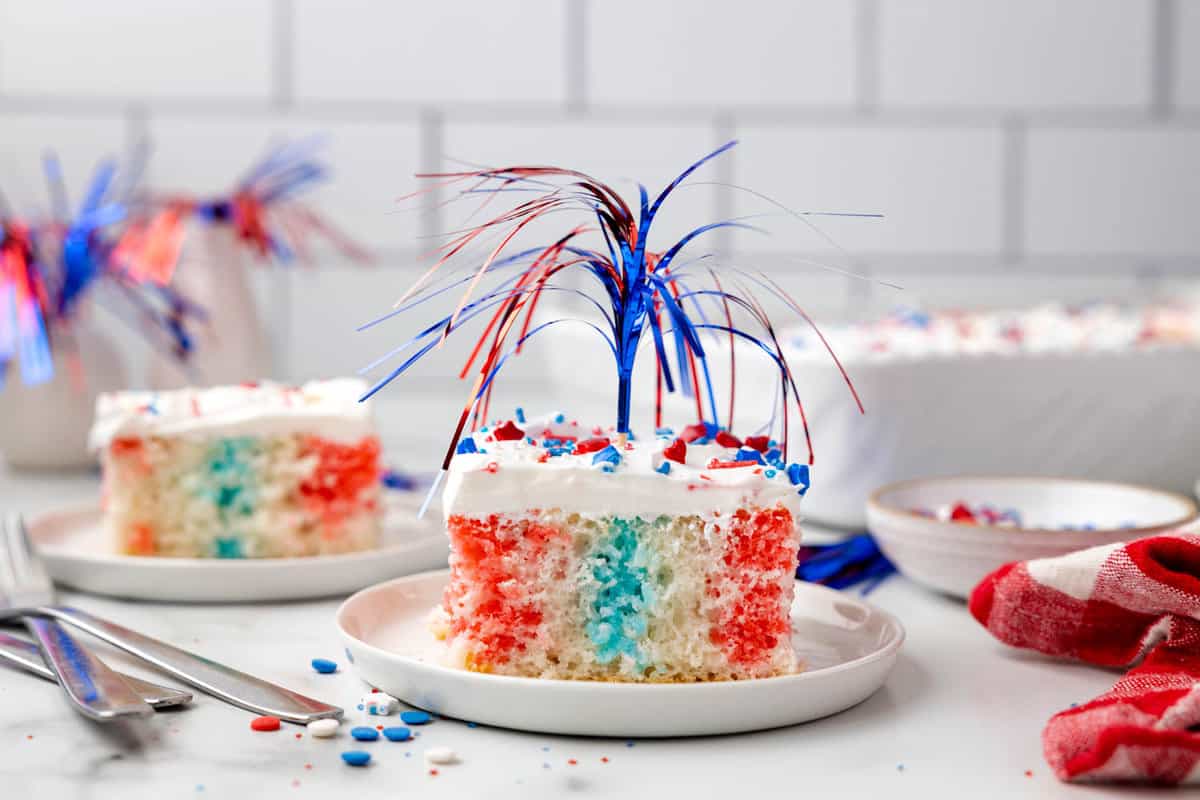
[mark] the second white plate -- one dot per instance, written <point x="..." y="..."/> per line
<point x="848" y="648"/>
<point x="79" y="555"/>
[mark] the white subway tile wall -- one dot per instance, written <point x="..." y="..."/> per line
<point x="136" y="48"/>
<point x="1019" y="150"/>
<point x="939" y="189"/>
<point x="1186" y="52"/>
<point x="1114" y="191"/>
<point x="652" y="153"/>
<point x="372" y="164"/>
<point x="706" y="52"/>
<point x="1016" y="53"/>
<point x="456" y="51"/>
<point x="80" y="141"/>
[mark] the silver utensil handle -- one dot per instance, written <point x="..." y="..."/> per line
<point x="95" y="690"/>
<point x="28" y="657"/>
<point x="238" y="688"/>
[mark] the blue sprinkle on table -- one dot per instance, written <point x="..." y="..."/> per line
<point x="397" y="733"/>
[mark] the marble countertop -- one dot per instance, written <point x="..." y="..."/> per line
<point x="959" y="714"/>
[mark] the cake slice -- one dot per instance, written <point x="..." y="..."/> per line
<point x="577" y="556"/>
<point x="250" y="471"/>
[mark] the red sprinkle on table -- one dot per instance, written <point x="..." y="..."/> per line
<point x="265" y="724"/>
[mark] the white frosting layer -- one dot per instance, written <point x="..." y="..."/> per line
<point x="329" y="409"/>
<point x="1099" y="327"/>
<point x="515" y="476"/>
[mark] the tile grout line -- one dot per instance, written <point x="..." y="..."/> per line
<point x="1162" y="53"/>
<point x="724" y="129"/>
<point x="431" y="159"/>
<point x="861" y="290"/>
<point x="925" y="117"/>
<point x="281" y="44"/>
<point x="576" y="56"/>
<point x="282" y="51"/>
<point x="137" y="125"/>
<point x="1013" y="180"/>
<point x="1148" y="277"/>
<point x="867" y="58"/>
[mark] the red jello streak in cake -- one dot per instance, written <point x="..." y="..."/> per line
<point x="487" y="570"/>
<point x="756" y="545"/>
<point x="131" y="451"/>
<point x="343" y="472"/>
<point x="140" y="540"/>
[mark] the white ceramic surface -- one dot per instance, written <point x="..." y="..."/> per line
<point x="911" y="740"/>
<point x="79" y="555"/>
<point x="952" y="557"/>
<point x="1117" y="416"/>
<point x="848" y="646"/>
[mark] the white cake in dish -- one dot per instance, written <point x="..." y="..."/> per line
<point x="1103" y="391"/>
<point x="250" y="471"/>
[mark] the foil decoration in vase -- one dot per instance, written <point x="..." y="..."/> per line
<point x="259" y="221"/>
<point x="55" y="358"/>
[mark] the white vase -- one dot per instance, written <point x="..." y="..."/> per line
<point x="45" y="426"/>
<point x="230" y="346"/>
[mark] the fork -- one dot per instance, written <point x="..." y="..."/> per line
<point x="218" y="680"/>
<point x="95" y="690"/>
<point x="28" y="656"/>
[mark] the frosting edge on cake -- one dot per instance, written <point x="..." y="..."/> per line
<point x="566" y="467"/>
<point x="329" y="409"/>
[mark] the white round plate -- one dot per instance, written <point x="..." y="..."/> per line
<point x="848" y="648"/>
<point x="78" y="554"/>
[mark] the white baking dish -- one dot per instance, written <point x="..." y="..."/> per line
<point x="1116" y="415"/>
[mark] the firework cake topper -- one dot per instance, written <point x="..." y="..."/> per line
<point x="50" y="265"/>
<point x="674" y="296"/>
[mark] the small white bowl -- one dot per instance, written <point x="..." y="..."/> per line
<point x="953" y="557"/>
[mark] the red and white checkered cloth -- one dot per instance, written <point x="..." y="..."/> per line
<point x="1116" y="605"/>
